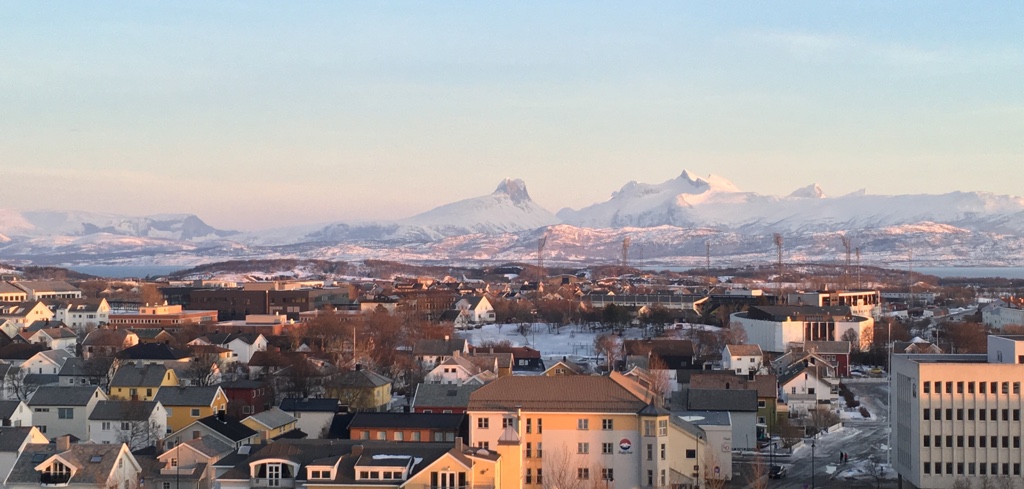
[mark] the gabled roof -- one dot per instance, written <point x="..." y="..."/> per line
<point x="229" y="428"/>
<point x="80" y="455"/>
<point x="57" y="357"/>
<point x="208" y="446"/>
<point x="744" y="350"/>
<point x="443" y="396"/>
<point x="19" y="351"/>
<point x="273" y="418"/>
<point x="561" y="393"/>
<point x="186" y="396"/>
<point x="51" y="395"/>
<point x="122" y="410"/>
<point x="46" y="286"/>
<point x="149" y="333"/>
<point x="95" y="367"/>
<point x="107" y="337"/>
<point x="59" y="333"/>
<point x="8" y="408"/>
<point x="361" y="378"/>
<point x="153" y="351"/>
<point x="292" y="404"/>
<point x="11" y="437"/>
<point x="438" y="347"/>
<point x="740" y="400"/>
<point x="131" y="375"/>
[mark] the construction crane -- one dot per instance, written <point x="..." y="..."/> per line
<point x="625" y="251"/>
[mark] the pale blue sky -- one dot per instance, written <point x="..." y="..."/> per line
<point x="257" y="115"/>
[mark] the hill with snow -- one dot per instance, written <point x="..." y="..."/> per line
<point x="35" y="224"/>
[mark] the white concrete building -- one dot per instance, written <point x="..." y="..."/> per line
<point x="958" y="417"/>
<point x="1001" y="316"/>
<point x="774" y="328"/>
<point x="864" y="303"/>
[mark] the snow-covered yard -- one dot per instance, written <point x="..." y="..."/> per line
<point x="864" y="470"/>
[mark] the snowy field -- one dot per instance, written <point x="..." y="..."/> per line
<point x="569" y="341"/>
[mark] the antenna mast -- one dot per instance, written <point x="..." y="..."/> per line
<point x="778" y="278"/>
<point x="541" y="243"/>
<point x="860" y="285"/>
<point x="625" y="251"/>
<point x="846" y="270"/>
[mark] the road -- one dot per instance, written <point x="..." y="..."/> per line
<point x="863" y="440"/>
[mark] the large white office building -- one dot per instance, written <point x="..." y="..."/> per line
<point x="958" y="417"/>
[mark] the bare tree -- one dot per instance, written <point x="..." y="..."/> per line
<point x="962" y="483"/>
<point x="201" y="370"/>
<point x="609" y="346"/>
<point x="854" y="339"/>
<point x="823" y="418"/>
<point x="758" y="475"/>
<point x="17" y="386"/>
<point x="1005" y="482"/>
<point x="712" y="479"/>
<point x="139" y="431"/>
<point x="564" y="468"/>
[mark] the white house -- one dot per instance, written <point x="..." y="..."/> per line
<point x="460" y="370"/>
<point x="65" y="410"/>
<point x="137" y="423"/>
<point x="743" y="359"/>
<point x="55" y="339"/>
<point x="46" y="362"/>
<point x="13" y="441"/>
<point x="314" y="415"/>
<point x="479" y="309"/>
<point x="82" y="314"/>
<point x="242" y="345"/>
<point x="21" y="314"/>
<point x="15" y="413"/>
<point x="775" y="328"/>
<point x="804" y="388"/>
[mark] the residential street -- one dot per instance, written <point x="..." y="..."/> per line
<point x="863" y="440"/>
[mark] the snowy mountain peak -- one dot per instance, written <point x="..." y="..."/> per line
<point x="812" y="191"/>
<point x="515" y="189"/>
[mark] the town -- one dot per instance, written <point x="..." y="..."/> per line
<point x="511" y="377"/>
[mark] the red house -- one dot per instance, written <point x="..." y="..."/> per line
<point x="246" y="397"/>
<point x="835" y="352"/>
<point x="442" y="398"/>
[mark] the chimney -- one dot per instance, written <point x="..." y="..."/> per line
<point x="359" y="367"/>
<point x="63" y="443"/>
<point x="159" y="446"/>
<point x="458" y="444"/>
<point x="220" y="416"/>
<point x="357" y="450"/>
<point x="446" y="337"/>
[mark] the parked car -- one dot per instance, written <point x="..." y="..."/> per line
<point x="777" y="472"/>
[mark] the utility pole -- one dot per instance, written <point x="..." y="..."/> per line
<point x="846" y="270"/>
<point x="860" y="285"/>
<point x="625" y="251"/>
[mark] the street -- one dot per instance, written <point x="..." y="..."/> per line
<point x="862" y="440"/>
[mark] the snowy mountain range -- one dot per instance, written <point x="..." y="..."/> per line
<point x="669" y="223"/>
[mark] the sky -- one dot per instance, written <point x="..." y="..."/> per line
<point x="257" y="115"/>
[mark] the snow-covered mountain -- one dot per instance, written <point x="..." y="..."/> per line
<point x="669" y="224"/>
<point x="689" y="201"/>
<point x="508" y="209"/>
<point x="36" y="224"/>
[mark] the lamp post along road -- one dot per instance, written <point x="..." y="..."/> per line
<point x="813" y="444"/>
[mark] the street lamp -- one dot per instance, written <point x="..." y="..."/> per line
<point x="699" y="466"/>
<point x="812" y="463"/>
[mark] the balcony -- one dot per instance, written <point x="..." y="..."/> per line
<point x="54" y="480"/>
<point x="264" y="482"/>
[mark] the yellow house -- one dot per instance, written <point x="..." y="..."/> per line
<point x="272" y="423"/>
<point x="361" y="390"/>
<point x="187" y="404"/>
<point x="141" y="382"/>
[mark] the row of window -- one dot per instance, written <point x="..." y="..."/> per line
<point x="606" y="424"/>
<point x="62" y="413"/>
<point x="373" y="474"/>
<point x="982" y="469"/>
<point x="972" y="414"/>
<point x="992" y="387"/>
<point x="415" y="436"/>
<point x="960" y="439"/>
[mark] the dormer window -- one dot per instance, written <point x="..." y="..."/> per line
<point x="56" y="473"/>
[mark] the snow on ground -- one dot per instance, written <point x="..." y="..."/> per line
<point x="866" y="470"/>
<point x="554" y="343"/>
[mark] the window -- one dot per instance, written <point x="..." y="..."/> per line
<point x="125" y="426"/>
<point x="607" y="448"/>
<point x="195" y="414"/>
<point x="106" y="426"/>
<point x="949" y="441"/>
<point x="1006" y="415"/>
<point x="981" y="441"/>
<point x="483" y="423"/>
<point x="949" y="387"/>
<point x="166" y="485"/>
<point x="927" y="440"/>
<point x="607" y="424"/>
<point x="927" y="468"/>
<point x="970" y="390"/>
<point x="1006" y="442"/>
<point x="959" y="414"/>
<point x="970" y="442"/>
<point x="648" y="427"/>
<point x="926" y="387"/>
<point x="529" y="450"/>
<point x="691" y="453"/>
<point x="960" y="468"/>
<point x="540" y="476"/>
<point x="959" y="387"/>
<point x="949" y="414"/>
<point x="506" y="422"/>
<point x="938" y="415"/>
<point x="582" y="424"/>
<point x="981" y="387"/>
<point x="663" y="427"/>
<point x="583" y="473"/>
<point x="761" y="404"/>
<point x="981" y="415"/>
<point x="938" y="387"/>
<point x="927" y="414"/>
<point x="960" y="441"/>
<point x="608" y="474"/>
<point x="540" y="430"/>
<point x="65" y="413"/>
<point x="663" y="451"/>
<point x="582" y="448"/>
<point x="1016" y="442"/>
<point x="1006" y="387"/>
<point x="415" y="436"/>
<point x="382" y="435"/>
<point x="938" y="441"/>
<point x="529" y="425"/>
<point x="399" y="436"/>
<point x="994" y="415"/>
<point x="970" y="415"/>
<point x="529" y="476"/>
<point x="365" y="435"/>
<point x="484" y="444"/>
<point x="650" y="451"/>
<point x="540" y="454"/>
<point x="1016" y="387"/>
<point x="1016" y="414"/>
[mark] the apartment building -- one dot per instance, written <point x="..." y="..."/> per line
<point x="569" y="431"/>
<point x="958" y="417"/>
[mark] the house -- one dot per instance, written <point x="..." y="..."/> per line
<point x="247" y="397"/>
<point x="153" y="335"/>
<point x="439" y="398"/>
<point x="107" y="342"/>
<point x="139" y="424"/>
<point x="478" y="308"/>
<point x="79" y="371"/>
<point x="916" y="345"/>
<point x="189" y="464"/>
<point x="141" y="381"/>
<point x="459" y="370"/>
<point x="184" y="405"/>
<point x="344" y="463"/>
<point x="408" y="427"/>
<point x="46" y="362"/>
<point x="81" y="314"/>
<point x="21" y="314"/>
<point x="241" y="345"/>
<point x="55" y="339"/>
<point x="155" y="353"/>
<point x="563" y="367"/>
<point x="86" y="465"/>
<point x="459" y="319"/>
<point x="743" y="358"/>
<point x="765" y="385"/>
<point x="431" y="352"/>
<point x="525" y="360"/>
<point x="64" y="410"/>
<point x="10" y="293"/>
<point x="673" y="354"/>
<point x="836" y="353"/>
<point x="274" y="423"/>
<point x="741" y="404"/>
<point x="361" y="390"/>
<point x="805" y="386"/>
<point x="13" y="441"/>
<point x="314" y="415"/>
<point x="15" y="413"/>
<point x="39" y="290"/>
<point x="226" y="430"/>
